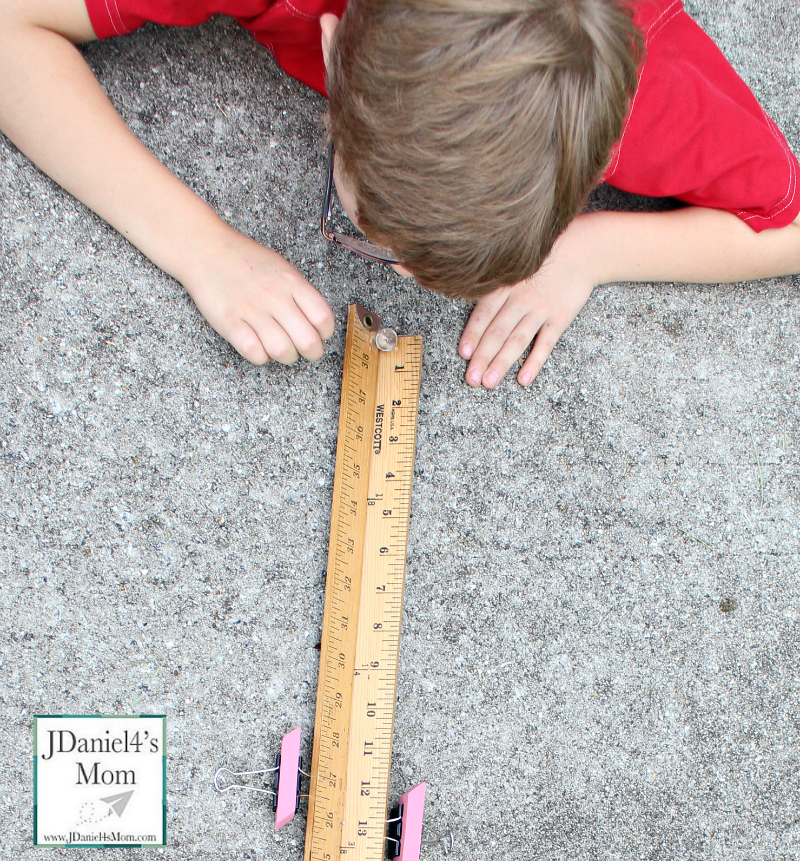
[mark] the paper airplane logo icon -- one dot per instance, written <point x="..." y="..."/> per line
<point x="118" y="803"/>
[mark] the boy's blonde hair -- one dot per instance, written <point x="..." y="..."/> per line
<point x="472" y="131"/>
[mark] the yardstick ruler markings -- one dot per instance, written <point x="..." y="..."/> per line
<point x="360" y="646"/>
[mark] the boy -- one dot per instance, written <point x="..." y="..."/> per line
<point x="467" y="135"/>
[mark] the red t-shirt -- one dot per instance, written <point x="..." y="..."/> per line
<point x="694" y="131"/>
<point x="288" y="28"/>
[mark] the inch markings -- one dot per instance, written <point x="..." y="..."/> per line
<point x="359" y="652"/>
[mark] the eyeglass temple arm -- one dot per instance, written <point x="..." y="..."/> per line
<point x="366" y="249"/>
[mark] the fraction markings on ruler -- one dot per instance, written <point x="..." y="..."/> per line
<point x="360" y="645"/>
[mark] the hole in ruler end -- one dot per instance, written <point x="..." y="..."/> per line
<point x="369" y="320"/>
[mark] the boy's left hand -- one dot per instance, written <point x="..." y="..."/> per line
<point x="539" y="309"/>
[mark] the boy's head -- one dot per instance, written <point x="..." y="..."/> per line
<point x="471" y="131"/>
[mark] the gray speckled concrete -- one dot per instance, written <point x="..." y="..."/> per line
<point x="570" y="688"/>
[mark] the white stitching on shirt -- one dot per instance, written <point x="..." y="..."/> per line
<point x="610" y="172"/>
<point x="111" y="19"/>
<point x="653" y="30"/>
<point x="119" y="15"/>
<point x="298" y="12"/>
<point x="791" y="190"/>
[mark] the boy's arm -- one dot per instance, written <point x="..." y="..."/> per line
<point x="54" y="110"/>
<point x="691" y="245"/>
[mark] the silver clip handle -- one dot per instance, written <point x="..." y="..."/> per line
<point x="237" y="774"/>
<point x="447" y="841"/>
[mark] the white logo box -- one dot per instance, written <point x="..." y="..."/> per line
<point x="99" y="780"/>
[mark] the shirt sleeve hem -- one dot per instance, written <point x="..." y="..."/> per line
<point x="786" y="210"/>
<point x="784" y="217"/>
<point x="106" y="18"/>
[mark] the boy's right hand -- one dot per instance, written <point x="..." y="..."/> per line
<point x="258" y="301"/>
<point x="52" y="107"/>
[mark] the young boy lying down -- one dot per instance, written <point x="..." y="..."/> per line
<point x="466" y="136"/>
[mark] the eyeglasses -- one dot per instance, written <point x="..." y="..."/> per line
<point x="359" y="246"/>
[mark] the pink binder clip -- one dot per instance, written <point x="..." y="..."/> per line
<point x="404" y="827"/>
<point x="407" y="821"/>
<point x="286" y="785"/>
<point x="287" y="779"/>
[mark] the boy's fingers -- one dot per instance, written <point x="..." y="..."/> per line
<point x="479" y="320"/>
<point x="514" y="346"/>
<point x="486" y="352"/>
<point x="316" y="310"/>
<point x="510" y="323"/>
<point x="275" y="341"/>
<point x="304" y="336"/>
<point x="539" y="354"/>
<point x="247" y="343"/>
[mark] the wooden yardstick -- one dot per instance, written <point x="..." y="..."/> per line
<point x="360" y="646"/>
